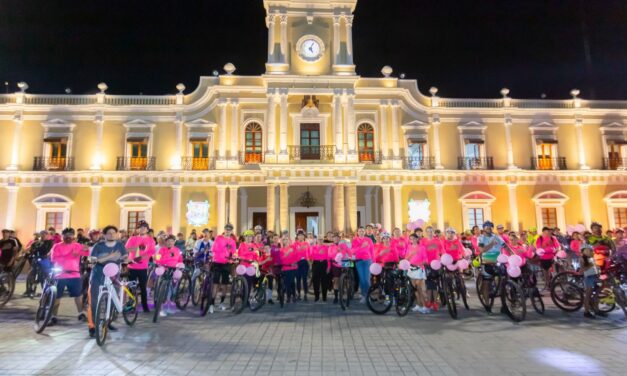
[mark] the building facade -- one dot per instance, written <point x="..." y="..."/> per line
<point x="309" y="144"/>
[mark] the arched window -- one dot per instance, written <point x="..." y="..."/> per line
<point x="365" y="139"/>
<point x="53" y="210"/>
<point x="477" y="208"/>
<point x="617" y="209"/>
<point x="550" y="209"/>
<point x="254" y="143"/>
<point x="134" y="207"/>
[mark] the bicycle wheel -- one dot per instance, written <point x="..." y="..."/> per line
<point x="239" y="291"/>
<point x="377" y="300"/>
<point x="449" y="296"/>
<point x="619" y="295"/>
<point x="487" y="304"/>
<point x="183" y="295"/>
<point x="101" y="322"/>
<point x="129" y="307"/>
<point x="7" y="286"/>
<point x="567" y="296"/>
<point x="207" y="291"/>
<point x="404" y="298"/>
<point x="536" y="300"/>
<point x="345" y="291"/>
<point x="257" y="297"/>
<point x="31" y="282"/>
<point x="607" y="300"/>
<point x="159" y="298"/>
<point x="460" y="287"/>
<point x="197" y="289"/>
<point x="513" y="299"/>
<point x="44" y="310"/>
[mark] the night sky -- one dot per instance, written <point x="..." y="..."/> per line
<point x="465" y="48"/>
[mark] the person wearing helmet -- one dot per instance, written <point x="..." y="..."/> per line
<point x="490" y="245"/>
<point x="223" y="249"/>
<point x="169" y="256"/>
<point x="140" y="248"/>
<point x="433" y="249"/>
<point x="301" y="246"/>
<point x="602" y="245"/>
<point x="362" y="247"/>
<point x="67" y="256"/>
<point x="248" y="253"/>
<point x="452" y="244"/>
<point x="388" y="257"/>
<point x="417" y="257"/>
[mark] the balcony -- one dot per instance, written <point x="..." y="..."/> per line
<point x="615" y="163"/>
<point x="419" y="163"/>
<point x="372" y="157"/>
<point x="53" y="164"/>
<point x="557" y="163"/>
<point x="471" y="163"/>
<point x="197" y="164"/>
<point x="317" y="153"/>
<point x="250" y="157"/>
<point x="136" y="163"/>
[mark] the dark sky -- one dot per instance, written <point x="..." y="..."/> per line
<point x="467" y="48"/>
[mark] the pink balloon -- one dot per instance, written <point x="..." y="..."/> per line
<point x="514" y="271"/>
<point x="451" y="267"/>
<point x="240" y="270"/>
<point x="375" y="269"/>
<point x="111" y="270"/>
<point x="180" y="265"/>
<point x="502" y="259"/>
<point x="435" y="264"/>
<point x="446" y="259"/>
<point x="404" y="265"/>
<point x="462" y="264"/>
<point x="251" y="271"/>
<point x="420" y="222"/>
<point x="159" y="271"/>
<point x="467" y="252"/>
<point x="540" y="252"/>
<point x="177" y="274"/>
<point x="561" y="254"/>
<point x="580" y="228"/>
<point x="514" y="260"/>
<point x="338" y="258"/>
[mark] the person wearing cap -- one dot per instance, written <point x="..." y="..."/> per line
<point x="40" y="250"/>
<point x="363" y="249"/>
<point x="301" y="246"/>
<point x="223" y="249"/>
<point x="202" y="247"/>
<point x="169" y="256"/>
<point x="67" y="256"/>
<point x="140" y="248"/>
<point x="490" y="246"/>
<point x="500" y="229"/>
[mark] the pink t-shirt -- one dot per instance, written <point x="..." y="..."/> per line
<point x="522" y="250"/>
<point x="68" y="258"/>
<point x="341" y="248"/>
<point x="505" y="238"/>
<point x="385" y="253"/>
<point x="223" y="248"/>
<point x="550" y="246"/>
<point x="169" y="257"/>
<point x="363" y="248"/>
<point x="145" y="248"/>
<point x="247" y="253"/>
<point x="319" y="252"/>
<point x="416" y="254"/>
<point x="301" y="249"/>
<point x="400" y="246"/>
<point x="453" y="247"/>
<point x="289" y="258"/>
<point x="575" y="246"/>
<point x="433" y="248"/>
<point x="474" y="240"/>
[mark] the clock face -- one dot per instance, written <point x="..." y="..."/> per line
<point x="310" y="49"/>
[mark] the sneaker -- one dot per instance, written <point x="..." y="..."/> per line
<point x="113" y="328"/>
<point x="589" y="315"/>
<point x="428" y="304"/>
<point x="81" y="317"/>
<point x="163" y="314"/>
<point x="211" y="308"/>
<point x="435" y="306"/>
<point x="92" y="332"/>
<point x="416" y="308"/>
<point x="424" y="310"/>
<point x="362" y="301"/>
<point x="335" y="300"/>
<point x="53" y="321"/>
<point x="270" y="302"/>
<point x="222" y="307"/>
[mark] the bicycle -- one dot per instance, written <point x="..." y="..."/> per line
<point x="7" y="286"/>
<point x="46" y="302"/>
<point x="392" y="288"/>
<point x="258" y="295"/>
<point x="183" y="289"/>
<point x="166" y="285"/>
<point x="451" y="287"/>
<point x="113" y="300"/>
<point x="239" y="290"/>
<point x="204" y="282"/>
<point x="530" y="287"/>
<point x="346" y="283"/>
<point x="35" y="275"/>
<point x="501" y="285"/>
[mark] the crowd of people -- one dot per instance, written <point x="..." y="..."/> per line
<point x="302" y="256"/>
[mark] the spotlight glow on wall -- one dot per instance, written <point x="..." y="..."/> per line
<point x="197" y="213"/>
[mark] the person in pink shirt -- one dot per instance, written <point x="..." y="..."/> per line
<point x="223" y="249"/>
<point x="67" y="257"/>
<point x="301" y="245"/>
<point x="140" y="248"/>
<point x="363" y="249"/>
<point x="417" y="257"/>
<point x="289" y="266"/>
<point x="474" y="240"/>
<point x="500" y="229"/>
<point x="399" y="242"/>
<point x="433" y="249"/>
<point x="54" y="235"/>
<point x="452" y="244"/>
<point x="342" y="248"/>
<point x="169" y="256"/>
<point x="248" y="253"/>
<point x="551" y="246"/>
<point x="319" y="257"/>
<point x="385" y="253"/>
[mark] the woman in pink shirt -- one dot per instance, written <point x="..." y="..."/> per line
<point x="452" y="244"/>
<point x="399" y="242"/>
<point x="433" y="250"/>
<point x="417" y="257"/>
<point x="289" y="267"/>
<point x="140" y="248"/>
<point x="223" y="249"/>
<point x="248" y="252"/>
<point x="385" y="253"/>
<point x="335" y="248"/>
<point x="301" y="245"/>
<point x="476" y="232"/>
<point x="168" y="256"/>
<point x="551" y="246"/>
<point x="319" y="256"/>
<point x="363" y="249"/>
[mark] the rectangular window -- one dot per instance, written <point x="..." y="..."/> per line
<point x="55" y="220"/>
<point x="57" y="154"/>
<point x="473" y="150"/>
<point x="133" y="218"/>
<point x="620" y="217"/>
<point x="200" y="149"/>
<point x="545" y="156"/>
<point x="139" y="154"/>
<point x="475" y="217"/>
<point x="549" y="217"/>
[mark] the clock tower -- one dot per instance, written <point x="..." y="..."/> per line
<point x="310" y="37"/>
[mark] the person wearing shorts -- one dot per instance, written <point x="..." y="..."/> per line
<point x="490" y="246"/>
<point x="223" y="249"/>
<point x="433" y="249"/>
<point x="417" y="257"/>
<point x="551" y="246"/>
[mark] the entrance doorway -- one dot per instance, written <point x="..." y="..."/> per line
<point x="307" y="221"/>
<point x="260" y="219"/>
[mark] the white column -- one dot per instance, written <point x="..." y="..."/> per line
<point x="98" y="158"/>
<point x="176" y="160"/>
<point x="283" y="38"/>
<point x="580" y="147"/>
<point x="221" y="209"/>
<point x="271" y="35"/>
<point x="383" y="129"/>
<point x="234" y="131"/>
<point x="17" y="140"/>
<point x="328" y="209"/>
<point x="387" y="210"/>
<point x="398" y="207"/>
<point x="436" y="141"/>
<point x="176" y="208"/>
<point x="271" y="207"/>
<point x="513" y="206"/>
<point x="233" y="208"/>
<point x="439" y="203"/>
<point x="337" y="126"/>
<point x="339" y="208"/>
<point x="271" y="126"/>
<point x="12" y="207"/>
<point x="585" y="204"/>
<point x="349" y="39"/>
<point x="243" y="209"/>
<point x="396" y="127"/>
<point x="368" y="199"/>
<point x="349" y="124"/>
<point x="284" y="209"/>
<point x="95" y="206"/>
<point x="376" y="207"/>
<point x="508" y="143"/>
<point x="336" y="39"/>
<point x="222" y="133"/>
<point x="283" y="156"/>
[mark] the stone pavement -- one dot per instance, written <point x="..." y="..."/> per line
<point x="317" y="339"/>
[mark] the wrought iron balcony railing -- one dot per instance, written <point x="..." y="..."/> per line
<point x="197" y="163"/>
<point x="53" y="164"/>
<point x="373" y="157"/>
<point x="250" y="157"/>
<point x="136" y="163"/>
<point x="556" y="163"/>
<point x="419" y="163"/>
<point x="615" y="163"/>
<point x="321" y="153"/>
<point x="471" y="163"/>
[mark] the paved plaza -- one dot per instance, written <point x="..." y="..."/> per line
<point x="317" y="339"/>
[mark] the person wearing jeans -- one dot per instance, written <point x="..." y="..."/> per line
<point x="301" y="247"/>
<point x="363" y="250"/>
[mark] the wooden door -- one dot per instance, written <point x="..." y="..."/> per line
<point x="545" y="157"/>
<point x="139" y="155"/>
<point x="310" y="141"/>
<point x="58" y="154"/>
<point x="614" y="156"/>
<point x="200" y="155"/>
<point x="260" y="219"/>
<point x="301" y="220"/>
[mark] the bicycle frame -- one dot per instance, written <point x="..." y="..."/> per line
<point x="115" y="298"/>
